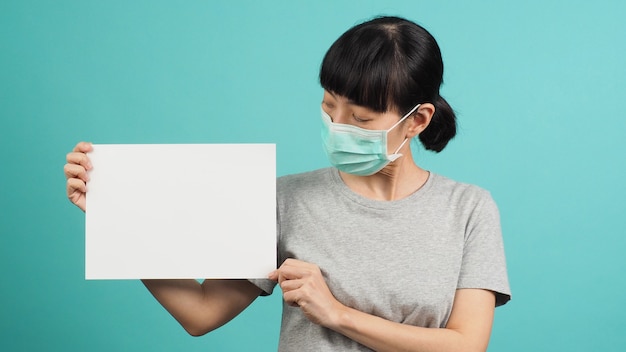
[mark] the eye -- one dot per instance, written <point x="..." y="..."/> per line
<point x="328" y="104"/>
<point x="359" y="119"/>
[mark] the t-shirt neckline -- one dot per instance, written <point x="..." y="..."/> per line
<point x="337" y="183"/>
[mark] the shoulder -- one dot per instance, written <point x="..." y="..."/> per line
<point x="463" y="196"/>
<point x="449" y="187"/>
<point x="305" y="181"/>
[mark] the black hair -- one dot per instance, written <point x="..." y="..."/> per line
<point x="391" y="63"/>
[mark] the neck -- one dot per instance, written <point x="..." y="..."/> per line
<point x="397" y="180"/>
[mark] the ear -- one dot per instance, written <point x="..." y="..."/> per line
<point x="420" y="119"/>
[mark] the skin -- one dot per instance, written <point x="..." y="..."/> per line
<point x="201" y="308"/>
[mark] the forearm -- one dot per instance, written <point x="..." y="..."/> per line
<point x="468" y="327"/>
<point x="201" y="308"/>
<point x="383" y="335"/>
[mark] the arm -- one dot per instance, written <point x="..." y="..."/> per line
<point x="468" y="328"/>
<point x="199" y="308"/>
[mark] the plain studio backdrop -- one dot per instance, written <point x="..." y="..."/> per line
<point x="539" y="88"/>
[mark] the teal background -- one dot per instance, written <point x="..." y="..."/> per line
<point x="539" y="87"/>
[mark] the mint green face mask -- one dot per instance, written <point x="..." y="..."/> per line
<point x="356" y="150"/>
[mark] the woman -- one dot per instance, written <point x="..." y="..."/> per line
<point x="376" y="253"/>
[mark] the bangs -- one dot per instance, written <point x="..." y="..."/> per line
<point x="362" y="65"/>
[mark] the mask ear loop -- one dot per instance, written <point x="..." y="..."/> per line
<point x="404" y="117"/>
<point x="406" y="139"/>
<point x="393" y="157"/>
<point x="401" y="145"/>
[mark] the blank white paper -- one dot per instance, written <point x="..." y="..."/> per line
<point x="181" y="211"/>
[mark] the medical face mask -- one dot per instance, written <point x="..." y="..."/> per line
<point x="356" y="150"/>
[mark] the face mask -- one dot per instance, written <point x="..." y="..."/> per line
<point x="356" y="150"/>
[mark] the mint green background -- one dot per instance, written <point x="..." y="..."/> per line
<point x="539" y="87"/>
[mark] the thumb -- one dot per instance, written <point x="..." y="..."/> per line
<point x="273" y="275"/>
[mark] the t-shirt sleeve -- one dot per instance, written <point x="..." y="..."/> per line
<point x="266" y="285"/>
<point x="484" y="265"/>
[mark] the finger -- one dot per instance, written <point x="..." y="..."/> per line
<point x="76" y="171"/>
<point x="292" y="298"/>
<point x="301" y="265"/>
<point x="78" y="154"/>
<point x="83" y="147"/>
<point x="296" y="263"/>
<point x="79" y="158"/>
<point x="75" y="185"/>
<point x="287" y="272"/>
<point x="273" y="275"/>
<point x="290" y="285"/>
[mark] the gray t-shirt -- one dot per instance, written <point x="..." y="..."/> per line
<point x="400" y="260"/>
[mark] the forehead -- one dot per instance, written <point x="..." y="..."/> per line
<point x="328" y="95"/>
<point x="341" y="99"/>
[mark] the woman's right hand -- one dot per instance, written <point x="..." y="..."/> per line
<point x="76" y="173"/>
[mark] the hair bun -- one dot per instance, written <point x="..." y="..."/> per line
<point x="442" y="127"/>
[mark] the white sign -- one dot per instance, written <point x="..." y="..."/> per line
<point x="181" y="211"/>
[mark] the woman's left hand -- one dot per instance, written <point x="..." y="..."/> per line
<point x="304" y="286"/>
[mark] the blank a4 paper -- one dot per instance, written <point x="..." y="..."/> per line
<point x="181" y="211"/>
